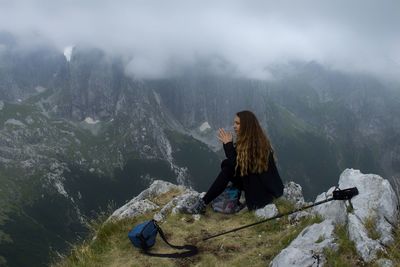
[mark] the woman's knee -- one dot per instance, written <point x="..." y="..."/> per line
<point x="226" y="163"/>
<point x="227" y="169"/>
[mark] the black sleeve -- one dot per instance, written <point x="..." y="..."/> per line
<point x="273" y="181"/>
<point x="230" y="153"/>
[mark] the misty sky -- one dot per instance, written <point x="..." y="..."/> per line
<point x="248" y="36"/>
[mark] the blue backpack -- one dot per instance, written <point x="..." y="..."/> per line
<point x="144" y="235"/>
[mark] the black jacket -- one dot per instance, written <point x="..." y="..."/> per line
<point x="260" y="189"/>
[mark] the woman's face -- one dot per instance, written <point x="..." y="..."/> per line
<point x="236" y="125"/>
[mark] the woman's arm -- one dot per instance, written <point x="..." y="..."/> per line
<point x="226" y="139"/>
<point x="230" y="152"/>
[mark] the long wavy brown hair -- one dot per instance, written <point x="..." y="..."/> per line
<point x="253" y="147"/>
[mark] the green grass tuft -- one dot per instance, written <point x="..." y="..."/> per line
<point x="346" y="254"/>
<point x="370" y="226"/>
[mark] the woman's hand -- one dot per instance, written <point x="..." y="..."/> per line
<point x="224" y="137"/>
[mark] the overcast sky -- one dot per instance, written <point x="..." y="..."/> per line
<point x="248" y="36"/>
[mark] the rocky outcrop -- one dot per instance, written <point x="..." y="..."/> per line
<point x="133" y="208"/>
<point x="142" y="204"/>
<point x="178" y="204"/>
<point x="307" y="248"/>
<point x="267" y="212"/>
<point x="376" y="200"/>
<point x="375" y="209"/>
<point x="294" y="193"/>
<point x="333" y="210"/>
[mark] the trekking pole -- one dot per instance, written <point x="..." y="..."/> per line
<point x="338" y="194"/>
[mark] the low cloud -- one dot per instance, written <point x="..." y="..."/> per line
<point x="245" y="37"/>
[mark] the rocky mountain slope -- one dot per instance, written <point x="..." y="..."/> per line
<point x="55" y="173"/>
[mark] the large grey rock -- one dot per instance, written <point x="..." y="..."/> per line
<point x="141" y="203"/>
<point x="158" y="187"/>
<point x="376" y="200"/>
<point x="376" y="195"/>
<point x="186" y="200"/>
<point x="297" y="216"/>
<point x="333" y="210"/>
<point x="178" y="203"/>
<point x="307" y="249"/>
<point x="366" y="247"/>
<point x="294" y="193"/>
<point x="133" y="209"/>
<point x="268" y="211"/>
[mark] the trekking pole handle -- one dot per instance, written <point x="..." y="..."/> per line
<point x="345" y="194"/>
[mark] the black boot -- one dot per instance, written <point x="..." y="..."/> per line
<point x="199" y="207"/>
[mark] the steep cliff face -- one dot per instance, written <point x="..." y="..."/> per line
<point x="26" y="70"/>
<point x="355" y="112"/>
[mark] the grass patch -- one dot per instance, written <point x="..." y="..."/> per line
<point x="163" y="199"/>
<point x="349" y="208"/>
<point x="393" y="251"/>
<point x="370" y="226"/>
<point x="284" y="205"/>
<point x="320" y="239"/>
<point x="346" y="255"/>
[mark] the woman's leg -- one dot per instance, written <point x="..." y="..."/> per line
<point x="220" y="183"/>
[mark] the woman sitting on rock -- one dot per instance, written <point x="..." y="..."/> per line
<point x="249" y="165"/>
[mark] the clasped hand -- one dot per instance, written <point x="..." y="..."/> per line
<point x="224" y="137"/>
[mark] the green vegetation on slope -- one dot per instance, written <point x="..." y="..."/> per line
<point x="96" y="170"/>
<point x="202" y="163"/>
<point x="308" y="157"/>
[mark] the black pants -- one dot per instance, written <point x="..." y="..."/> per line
<point x="224" y="177"/>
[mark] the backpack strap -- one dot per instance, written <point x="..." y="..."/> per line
<point x="190" y="249"/>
